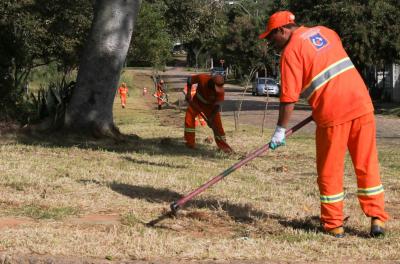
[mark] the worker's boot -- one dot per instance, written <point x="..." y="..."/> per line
<point x="337" y="232"/>
<point x="377" y="227"/>
<point x="159" y="107"/>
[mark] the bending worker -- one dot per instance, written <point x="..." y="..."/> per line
<point x="199" y="119"/>
<point x="123" y="92"/>
<point x="315" y="65"/>
<point x="208" y="98"/>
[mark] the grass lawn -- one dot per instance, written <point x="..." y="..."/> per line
<point x="267" y="210"/>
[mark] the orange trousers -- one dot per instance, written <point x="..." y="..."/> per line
<point x="190" y="127"/>
<point x="358" y="136"/>
<point x="123" y="100"/>
<point x="159" y="96"/>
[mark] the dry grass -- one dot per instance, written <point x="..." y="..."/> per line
<point x="266" y="210"/>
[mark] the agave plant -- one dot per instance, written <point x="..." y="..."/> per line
<point x="50" y="104"/>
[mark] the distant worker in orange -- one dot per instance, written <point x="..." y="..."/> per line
<point x="160" y="93"/>
<point x="315" y="65"/>
<point x="199" y="119"/>
<point x="207" y="99"/>
<point x="123" y="92"/>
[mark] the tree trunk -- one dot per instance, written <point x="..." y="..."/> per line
<point x="90" y="108"/>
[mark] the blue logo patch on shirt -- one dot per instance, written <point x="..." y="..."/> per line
<point x="318" y="41"/>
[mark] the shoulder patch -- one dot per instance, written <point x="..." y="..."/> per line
<point x="318" y="41"/>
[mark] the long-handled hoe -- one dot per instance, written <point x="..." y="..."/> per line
<point x="175" y="206"/>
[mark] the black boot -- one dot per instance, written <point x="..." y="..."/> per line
<point x="377" y="227"/>
<point x="337" y="232"/>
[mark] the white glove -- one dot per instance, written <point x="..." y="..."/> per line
<point x="278" y="138"/>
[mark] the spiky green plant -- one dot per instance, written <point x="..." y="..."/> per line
<point x="50" y="103"/>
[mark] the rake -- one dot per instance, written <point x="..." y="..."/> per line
<point x="175" y="206"/>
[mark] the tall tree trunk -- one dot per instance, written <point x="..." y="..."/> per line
<point x="100" y="67"/>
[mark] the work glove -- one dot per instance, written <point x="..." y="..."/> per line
<point x="278" y="138"/>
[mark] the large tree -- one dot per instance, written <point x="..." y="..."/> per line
<point x="90" y="108"/>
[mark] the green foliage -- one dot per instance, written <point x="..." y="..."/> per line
<point x="34" y="33"/>
<point x="151" y="43"/>
<point x="200" y="24"/>
<point x="370" y="30"/>
<point x="50" y="104"/>
<point x="243" y="49"/>
<point x="67" y="23"/>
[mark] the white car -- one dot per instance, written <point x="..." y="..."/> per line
<point x="263" y="86"/>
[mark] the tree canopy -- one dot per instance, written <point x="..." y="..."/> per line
<point x="370" y="30"/>
<point x="152" y="43"/>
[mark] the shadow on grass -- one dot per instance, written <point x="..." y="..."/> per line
<point x="166" y="146"/>
<point x="160" y="164"/>
<point x="239" y="213"/>
<point x="313" y="224"/>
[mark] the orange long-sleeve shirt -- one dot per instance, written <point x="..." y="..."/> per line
<point x="315" y="64"/>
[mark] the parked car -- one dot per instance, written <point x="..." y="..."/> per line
<point x="218" y="70"/>
<point x="263" y="85"/>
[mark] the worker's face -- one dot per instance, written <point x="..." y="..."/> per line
<point x="219" y="80"/>
<point x="219" y="83"/>
<point x="279" y="37"/>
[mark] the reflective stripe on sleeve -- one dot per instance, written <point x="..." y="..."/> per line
<point x="326" y="75"/>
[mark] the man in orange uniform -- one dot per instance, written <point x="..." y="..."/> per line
<point x="199" y="119"/>
<point x="208" y="98"/>
<point x="315" y="65"/>
<point x="123" y="92"/>
<point x="160" y="93"/>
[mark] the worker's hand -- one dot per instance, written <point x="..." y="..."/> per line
<point x="278" y="138"/>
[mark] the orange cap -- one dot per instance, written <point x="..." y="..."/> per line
<point x="277" y="20"/>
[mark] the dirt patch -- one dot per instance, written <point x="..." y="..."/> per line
<point x="11" y="222"/>
<point x="46" y="259"/>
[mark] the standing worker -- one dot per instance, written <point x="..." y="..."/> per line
<point x="208" y="99"/>
<point x="123" y="92"/>
<point x="160" y="92"/>
<point x="315" y="65"/>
